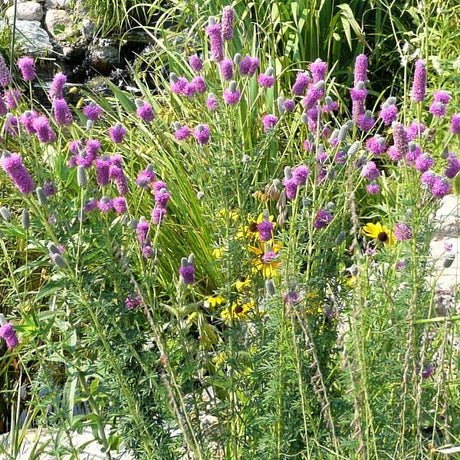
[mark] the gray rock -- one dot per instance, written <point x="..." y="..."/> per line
<point x="56" y="4"/>
<point x="32" y="37"/>
<point x="104" y="56"/>
<point x="59" y="24"/>
<point x="88" y="27"/>
<point x="28" y="11"/>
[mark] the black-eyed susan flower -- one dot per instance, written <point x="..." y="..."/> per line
<point x="378" y="232"/>
<point x="238" y="310"/>
<point x="267" y="260"/>
<point x="243" y="283"/>
<point x="214" y="301"/>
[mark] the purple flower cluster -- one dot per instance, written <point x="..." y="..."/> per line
<point x="187" y="270"/>
<point x="202" y="133"/>
<point x="231" y="94"/>
<point x="214" y="31"/>
<point x="419" y="84"/>
<point x="146" y="177"/>
<point x="226" y="69"/>
<point x="8" y="334"/>
<point x="182" y="132"/>
<point x="117" y="133"/>
<point x="92" y="112"/>
<point x="145" y="111"/>
<point x="62" y="113"/>
<point x="301" y="83"/>
<point x="269" y="122"/>
<point x="43" y="130"/>
<point x="267" y="80"/>
<point x="162" y="197"/>
<point x="389" y="112"/>
<point x="26" y="65"/>
<point x="323" y="219"/>
<point x="12" y="165"/>
<point x="195" y="63"/>
<point x="228" y="19"/>
<point x="5" y="76"/>
<point x="57" y="86"/>
<point x="402" y="232"/>
<point x="248" y="66"/>
<point x="265" y="229"/>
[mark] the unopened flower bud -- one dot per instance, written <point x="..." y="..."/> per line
<point x="449" y="260"/>
<point x="25" y="218"/>
<point x="270" y="288"/>
<point x="82" y="180"/>
<point x="5" y="213"/>
<point x="41" y="195"/>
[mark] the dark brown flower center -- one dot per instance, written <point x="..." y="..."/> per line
<point x="253" y="227"/>
<point x="238" y="309"/>
<point x="382" y="236"/>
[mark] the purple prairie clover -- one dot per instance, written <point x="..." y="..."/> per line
<point x="265" y="228"/>
<point x="228" y="19"/>
<point x="441" y="96"/>
<point x="415" y="130"/>
<point x="187" y="271"/>
<point x="5" y="75"/>
<point x="373" y="188"/>
<point x="158" y="185"/>
<point x="400" y="138"/>
<point x="366" y="121"/>
<point x="402" y="232"/>
<point x="27" y="120"/>
<point x="453" y="166"/>
<point x="231" y="94"/>
<point x="90" y="205"/>
<point x="424" y="162"/>
<point x="389" y="112"/>
<point x="158" y="215"/>
<point x="266" y="79"/>
<point x="147" y="250"/>
<point x="49" y="187"/>
<point x="428" y="369"/>
<point x="62" y="113"/>
<point x="12" y="165"/>
<point x="318" y="70"/>
<point x="455" y="124"/>
<point x="105" y="204"/>
<point x="178" y="84"/>
<point x="427" y="179"/>
<point x="57" y="86"/>
<point x="323" y="218"/>
<point x="3" y="107"/>
<point x="92" y="112"/>
<point x="290" y="184"/>
<point x="211" y="102"/>
<point x="248" y="66"/>
<point x="357" y="110"/>
<point x="226" y="69"/>
<point x="288" y="105"/>
<point x="419" y="83"/>
<point x="376" y="145"/>
<point x="314" y="94"/>
<point x="118" y="176"/>
<point x="359" y="92"/>
<point x="146" y="177"/>
<point x="12" y="97"/>
<point x="300" y="174"/>
<point x="26" y="65"/>
<point x="370" y="171"/>
<point x="330" y="105"/>
<point x="142" y="230"/>
<point x="214" y="31"/>
<point x="182" y="133"/>
<point x="438" y="109"/>
<point x="102" y="165"/>
<point x="202" y="134"/>
<point x="119" y="204"/>
<point x="195" y="63"/>
<point x="301" y="83"/>
<point x="145" y="111"/>
<point x="189" y="90"/>
<point x="8" y="334"/>
<point x="269" y="122"/>
<point x="162" y="197"/>
<point x="117" y="133"/>
<point x="360" y="72"/>
<point x="11" y="124"/>
<point x="413" y="152"/>
<point x="199" y="83"/>
<point x="132" y="301"/>
<point x="43" y="130"/>
<point x="440" y="187"/>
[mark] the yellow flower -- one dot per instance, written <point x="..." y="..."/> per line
<point x="218" y="253"/>
<point x="378" y="232"/>
<point x="268" y="259"/>
<point x="243" y="283"/>
<point x="250" y="231"/>
<point x="214" y="301"/>
<point x="238" y="310"/>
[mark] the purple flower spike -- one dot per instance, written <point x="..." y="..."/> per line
<point x="228" y="18"/>
<point x="162" y="197"/>
<point x="117" y="133"/>
<point x="453" y="166"/>
<point x="5" y="75"/>
<point x="267" y="80"/>
<point x="366" y="121"/>
<point x="43" y="130"/>
<point x="211" y="102"/>
<point x="424" y="162"/>
<point x="323" y="218"/>
<point x="289" y="105"/>
<point x="116" y="173"/>
<point x="226" y="69"/>
<point x="376" y="145"/>
<point x="12" y="98"/>
<point x="402" y="232"/>
<point x="105" y="204"/>
<point x="26" y="65"/>
<point x="318" y="70"/>
<point x="182" y="133"/>
<point x="158" y="215"/>
<point x="370" y="171"/>
<point x="11" y="124"/>
<point x="455" y="123"/>
<point x="419" y="83"/>
<point x="145" y="112"/>
<point x="187" y="273"/>
<point x="202" y="134"/>
<point x="301" y="83"/>
<point x="389" y="112"/>
<point x="265" y="229"/>
<point x="146" y="177"/>
<point x="8" y="334"/>
<point x="199" y="83"/>
<point x="92" y="112"/>
<point x="27" y="120"/>
<point x="300" y="174"/>
<point x="62" y="113"/>
<point x="142" y="230"/>
<point x="195" y="63"/>
<point x="400" y="139"/>
<point x="373" y="188"/>
<point x="441" y="96"/>
<point x="57" y="87"/>
<point x="231" y="94"/>
<point x="178" y="84"/>
<point x="12" y="165"/>
<point x="269" y="122"/>
<point x="360" y="73"/>
<point x="102" y="170"/>
<point x="215" y="38"/>
<point x="119" y="204"/>
<point x="438" y="109"/>
<point x="248" y="66"/>
<point x="3" y="107"/>
<point x="440" y="187"/>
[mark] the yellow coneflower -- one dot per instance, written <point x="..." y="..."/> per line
<point x="378" y="232"/>
<point x="268" y="260"/>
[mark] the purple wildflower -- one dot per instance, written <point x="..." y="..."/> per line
<point x="158" y="185"/>
<point x="248" y="66"/>
<point x="314" y="94"/>
<point x="415" y="130"/>
<point x="228" y="18"/>
<point x="266" y="79"/>
<point x="119" y="204"/>
<point x="291" y="187"/>
<point x="11" y="124"/>
<point x="195" y="63"/>
<point x="158" y="215"/>
<point x="201" y="134"/>
<point x="376" y="145"/>
<point x="132" y="301"/>
<point x="43" y="130"/>
<point x="301" y="83"/>
<point x="330" y="105"/>
<point x="424" y="162"/>
<point x="211" y="102"/>
<point x="366" y="121"/>
<point x="105" y="204"/>
<point x="92" y="112"/>
<point x="438" y="109"/>
<point x="27" y="66"/>
<point x="402" y="232"/>
<point x="12" y="165"/>
<point x="116" y="173"/>
<point x="389" y="112"/>
<point x="265" y="229"/>
<point x="145" y="112"/>
<point x="187" y="273"/>
<point x="428" y="369"/>
<point x="419" y="83"/>
<point x="455" y="123"/>
<point x="49" y="187"/>
<point x="373" y="188"/>
<point x="269" y="122"/>
<point x="8" y="334"/>
<point x="142" y="230"/>
<point x="440" y="187"/>
<point x="102" y="170"/>
<point x="453" y="166"/>
<point x="147" y="250"/>
<point x="226" y="69"/>
<point x="182" y="133"/>
<point x="90" y="205"/>
<point x="370" y="171"/>
<point x="5" y="75"/>
<point x="199" y="83"/>
<point x="322" y="219"/>
<point x="215" y="37"/>
<point x="231" y="94"/>
<point x="178" y="84"/>
<point x="146" y="177"/>
<point x="360" y="72"/>
<point x="427" y="178"/>
<point x="117" y="133"/>
<point x="57" y="87"/>
<point x="414" y="152"/>
<point x="12" y="97"/>
<point x="162" y="197"/>
<point x="300" y="174"/>
<point x="400" y="139"/>
<point x="441" y="96"/>
<point x="288" y="105"/>
<point x="27" y="120"/>
<point x="318" y="70"/>
<point x="62" y="113"/>
<point x="3" y="107"/>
